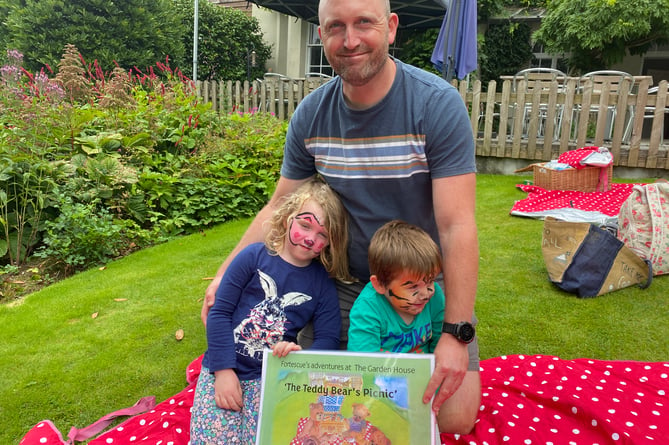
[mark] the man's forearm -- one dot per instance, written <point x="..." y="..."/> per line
<point x="461" y="264"/>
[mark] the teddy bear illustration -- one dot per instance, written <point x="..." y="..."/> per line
<point x="265" y="325"/>
<point x="311" y="429"/>
<point x="357" y="425"/>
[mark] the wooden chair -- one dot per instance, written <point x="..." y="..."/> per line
<point x="277" y="86"/>
<point x="544" y="79"/>
<point x="648" y="113"/>
<point x="605" y="82"/>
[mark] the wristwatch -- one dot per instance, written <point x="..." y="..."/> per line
<point x="463" y="331"/>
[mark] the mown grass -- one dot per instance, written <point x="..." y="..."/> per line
<point x="58" y="361"/>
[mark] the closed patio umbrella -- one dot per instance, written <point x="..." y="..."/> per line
<point x="455" y="52"/>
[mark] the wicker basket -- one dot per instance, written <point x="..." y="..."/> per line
<point x="588" y="179"/>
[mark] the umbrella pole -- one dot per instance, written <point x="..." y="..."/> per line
<point x="451" y="38"/>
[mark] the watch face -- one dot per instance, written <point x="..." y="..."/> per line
<point x="466" y="333"/>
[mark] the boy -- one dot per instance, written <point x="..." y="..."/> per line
<point x="401" y="309"/>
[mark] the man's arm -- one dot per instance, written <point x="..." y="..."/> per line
<point x="454" y="209"/>
<point x="255" y="233"/>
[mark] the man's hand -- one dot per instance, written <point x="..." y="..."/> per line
<point x="451" y="361"/>
<point x="209" y="298"/>
<point x="227" y="390"/>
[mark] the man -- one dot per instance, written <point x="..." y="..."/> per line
<point x="395" y="143"/>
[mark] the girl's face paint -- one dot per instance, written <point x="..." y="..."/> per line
<point x="307" y="236"/>
<point x="408" y="294"/>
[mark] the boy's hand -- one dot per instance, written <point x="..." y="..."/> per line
<point x="282" y="348"/>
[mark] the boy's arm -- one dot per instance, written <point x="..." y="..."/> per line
<point x="436" y="307"/>
<point x="364" y="332"/>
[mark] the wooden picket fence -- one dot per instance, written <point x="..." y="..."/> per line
<point x="627" y="120"/>
<point x="276" y="96"/>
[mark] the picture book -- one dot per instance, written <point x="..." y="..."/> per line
<point x="345" y="398"/>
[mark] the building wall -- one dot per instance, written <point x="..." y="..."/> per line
<point x="288" y="37"/>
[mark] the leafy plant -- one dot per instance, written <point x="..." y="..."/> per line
<point x="128" y="33"/>
<point x="599" y="33"/>
<point x="122" y="152"/>
<point x="226" y="40"/>
<point x="505" y="49"/>
<point x="83" y="235"/>
<point x="22" y="203"/>
<point x="417" y="47"/>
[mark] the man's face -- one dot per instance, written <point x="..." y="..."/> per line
<point x="356" y="35"/>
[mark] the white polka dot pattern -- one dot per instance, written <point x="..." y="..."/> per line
<point x="526" y="400"/>
<point x="571" y="205"/>
<point x="547" y="400"/>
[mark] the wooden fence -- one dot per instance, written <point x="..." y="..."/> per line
<point x="530" y="122"/>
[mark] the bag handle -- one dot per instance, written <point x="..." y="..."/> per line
<point x="650" y="275"/>
<point x="82" y="434"/>
<point x="654" y="198"/>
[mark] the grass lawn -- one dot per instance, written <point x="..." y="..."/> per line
<point x="102" y="339"/>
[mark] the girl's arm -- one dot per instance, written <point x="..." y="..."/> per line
<point x="220" y="340"/>
<point x="327" y="319"/>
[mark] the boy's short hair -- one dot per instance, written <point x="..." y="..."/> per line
<point x="398" y="246"/>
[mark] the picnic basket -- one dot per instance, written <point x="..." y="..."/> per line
<point x="586" y="179"/>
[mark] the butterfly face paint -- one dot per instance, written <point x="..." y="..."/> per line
<point x="307" y="232"/>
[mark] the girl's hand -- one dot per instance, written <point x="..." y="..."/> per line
<point x="282" y="348"/>
<point x="227" y="390"/>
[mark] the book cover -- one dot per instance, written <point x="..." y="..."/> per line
<point x="345" y="398"/>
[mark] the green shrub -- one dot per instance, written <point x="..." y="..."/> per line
<point x="82" y="235"/>
<point x="129" y="158"/>
<point x="86" y="235"/>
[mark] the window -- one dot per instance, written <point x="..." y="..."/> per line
<point x="316" y="60"/>
<point x="541" y="59"/>
<point x="656" y="63"/>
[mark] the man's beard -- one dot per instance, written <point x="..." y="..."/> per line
<point x="360" y="75"/>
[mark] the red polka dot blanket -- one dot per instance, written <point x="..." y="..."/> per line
<point x="526" y="400"/>
<point x="529" y="400"/>
<point x="594" y="207"/>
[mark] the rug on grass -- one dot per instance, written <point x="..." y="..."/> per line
<point x="529" y="400"/>
<point x="593" y="207"/>
<point x="526" y="400"/>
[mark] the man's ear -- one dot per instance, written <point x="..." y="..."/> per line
<point x="380" y="288"/>
<point x="393" y="24"/>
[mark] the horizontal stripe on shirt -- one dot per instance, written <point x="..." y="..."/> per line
<point x="369" y="158"/>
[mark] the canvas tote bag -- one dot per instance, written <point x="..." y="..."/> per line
<point x="586" y="260"/>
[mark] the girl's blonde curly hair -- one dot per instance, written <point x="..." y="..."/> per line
<point x="335" y="256"/>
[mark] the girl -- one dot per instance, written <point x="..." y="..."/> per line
<point x="268" y="293"/>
